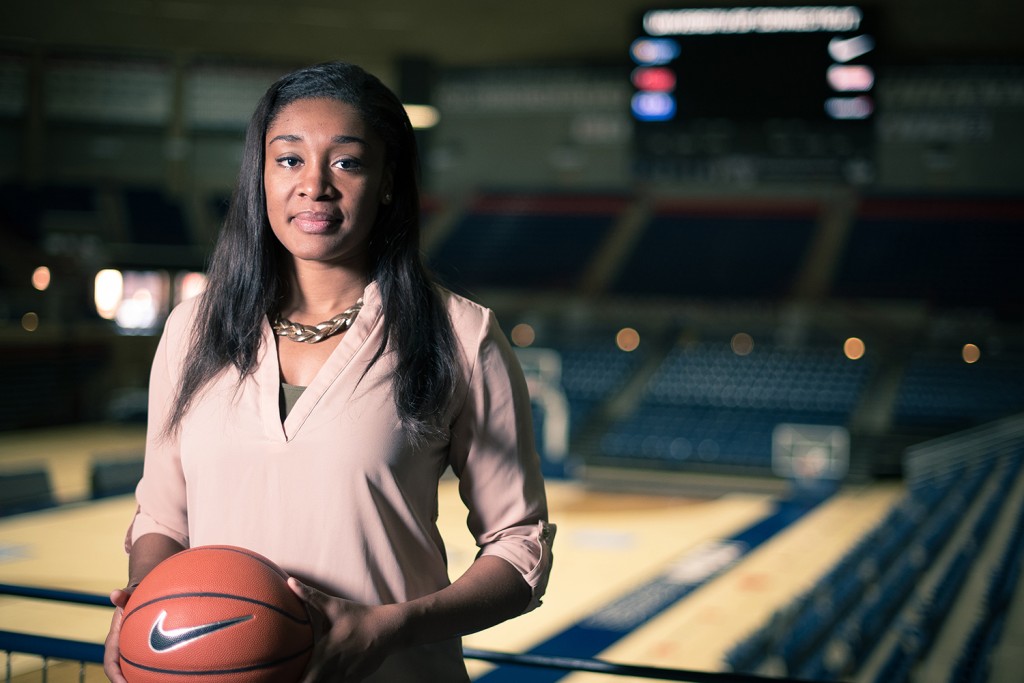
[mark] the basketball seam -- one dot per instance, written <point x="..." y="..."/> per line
<point x="243" y="669"/>
<point x="242" y="551"/>
<point x="203" y="594"/>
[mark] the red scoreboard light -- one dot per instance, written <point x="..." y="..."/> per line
<point x="654" y="79"/>
<point x="757" y="94"/>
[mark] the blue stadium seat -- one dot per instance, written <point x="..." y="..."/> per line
<point x="525" y="242"/>
<point x="706" y="406"/>
<point x="25" y="491"/>
<point x="948" y="252"/>
<point x="683" y="248"/>
<point x="115" y="477"/>
<point x="940" y="389"/>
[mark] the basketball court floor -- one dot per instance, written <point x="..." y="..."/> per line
<point x="676" y="580"/>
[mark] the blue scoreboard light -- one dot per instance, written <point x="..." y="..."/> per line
<point x="754" y="94"/>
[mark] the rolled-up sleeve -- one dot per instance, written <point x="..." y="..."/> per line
<point x="494" y="456"/>
<point x="160" y="494"/>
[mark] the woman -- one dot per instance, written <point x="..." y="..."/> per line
<point x="321" y="446"/>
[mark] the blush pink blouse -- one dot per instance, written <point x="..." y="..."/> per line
<point x="335" y="494"/>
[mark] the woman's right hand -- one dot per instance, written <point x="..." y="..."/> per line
<point x="147" y="551"/>
<point x="111" y="652"/>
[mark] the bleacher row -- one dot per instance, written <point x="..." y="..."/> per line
<point x="707" y="405"/>
<point x="935" y="390"/>
<point x="27" y="489"/>
<point x="704" y="407"/>
<point x="886" y="601"/>
<point x="973" y="664"/>
<point x="940" y="250"/>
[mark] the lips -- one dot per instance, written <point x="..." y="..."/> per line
<point x="316" y="222"/>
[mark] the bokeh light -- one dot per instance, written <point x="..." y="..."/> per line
<point x="523" y="335"/>
<point x="742" y="344"/>
<point x="656" y="79"/>
<point x="30" y="322"/>
<point x="854" y="348"/>
<point x="41" y="278"/>
<point x="627" y="339"/>
<point x="189" y="285"/>
<point x="108" y="290"/>
<point x="422" y="115"/>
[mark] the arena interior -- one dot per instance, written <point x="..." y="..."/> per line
<point x="768" y="297"/>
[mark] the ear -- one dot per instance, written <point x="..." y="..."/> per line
<point x="387" y="185"/>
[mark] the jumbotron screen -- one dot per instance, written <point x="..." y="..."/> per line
<point x="753" y="94"/>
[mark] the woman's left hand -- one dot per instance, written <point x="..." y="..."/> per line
<point x="352" y="640"/>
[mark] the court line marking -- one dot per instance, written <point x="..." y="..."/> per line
<point x="594" y="633"/>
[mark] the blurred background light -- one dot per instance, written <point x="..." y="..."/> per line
<point x="523" y="335"/>
<point x="188" y="285"/>
<point x="850" y="78"/>
<point x="627" y="339"/>
<point x="742" y="344"/>
<point x="30" y="321"/>
<point x="654" y="51"/>
<point x="653" y="106"/>
<point x="108" y="290"/>
<point x="41" y="278"/>
<point x="422" y="115"/>
<point x="846" y="49"/>
<point x="657" y="79"/>
<point x="860" y="107"/>
<point x="854" y="348"/>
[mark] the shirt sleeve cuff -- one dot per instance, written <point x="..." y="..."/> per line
<point x="530" y="554"/>
<point x="143" y="524"/>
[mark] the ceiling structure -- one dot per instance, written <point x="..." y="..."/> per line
<point x="452" y="32"/>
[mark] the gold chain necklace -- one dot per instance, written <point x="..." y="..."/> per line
<point x="311" y="334"/>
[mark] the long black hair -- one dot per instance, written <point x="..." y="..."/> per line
<point x="246" y="276"/>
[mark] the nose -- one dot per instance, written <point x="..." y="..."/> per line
<point x="316" y="182"/>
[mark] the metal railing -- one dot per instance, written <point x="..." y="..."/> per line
<point x="84" y="653"/>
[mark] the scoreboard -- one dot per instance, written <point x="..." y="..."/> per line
<point x="748" y="95"/>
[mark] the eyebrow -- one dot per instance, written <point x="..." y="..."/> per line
<point x="337" y="139"/>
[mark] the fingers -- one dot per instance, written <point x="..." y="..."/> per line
<point x="317" y="606"/>
<point x="111" y="652"/>
<point x="111" y="649"/>
<point x="299" y="588"/>
<point x="119" y="598"/>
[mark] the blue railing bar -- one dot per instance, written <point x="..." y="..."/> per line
<point x="44" y="646"/>
<point x="91" y="652"/>
<point x="603" y="667"/>
<point x="59" y="595"/>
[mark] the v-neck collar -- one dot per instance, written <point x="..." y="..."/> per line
<point x="269" y="372"/>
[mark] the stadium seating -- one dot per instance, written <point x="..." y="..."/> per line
<point x="593" y="371"/>
<point x="973" y="663"/>
<point x="707" y="407"/>
<point x="718" y="250"/>
<point x="525" y="242"/>
<point x="114" y="477"/>
<point x="948" y="252"/>
<point x="880" y="587"/>
<point x="939" y="389"/>
<point x="25" y="491"/>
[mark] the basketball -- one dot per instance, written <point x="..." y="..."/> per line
<point x="220" y="613"/>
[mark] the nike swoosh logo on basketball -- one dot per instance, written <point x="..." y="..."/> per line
<point x="161" y="640"/>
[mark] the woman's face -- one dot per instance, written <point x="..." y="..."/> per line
<point x="324" y="178"/>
